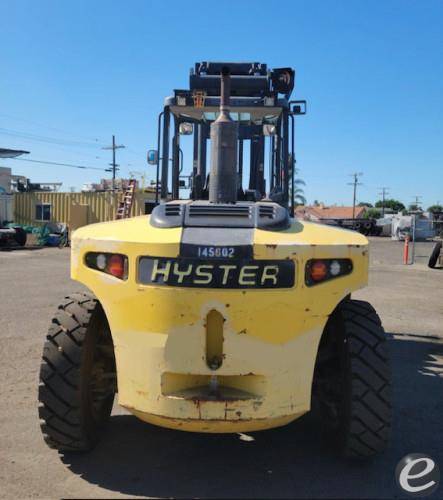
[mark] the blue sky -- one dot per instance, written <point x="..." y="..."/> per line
<point x="372" y="73"/>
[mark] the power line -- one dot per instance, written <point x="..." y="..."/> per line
<point x="137" y="153"/>
<point x="60" y="164"/>
<point x="55" y="129"/>
<point x="85" y="155"/>
<point x="55" y="143"/>
<point x="355" y="183"/>
<point x="384" y="192"/>
<point x="42" y="138"/>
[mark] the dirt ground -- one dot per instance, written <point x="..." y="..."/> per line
<point x="139" y="460"/>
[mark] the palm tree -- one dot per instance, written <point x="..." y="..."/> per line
<point x="299" y="198"/>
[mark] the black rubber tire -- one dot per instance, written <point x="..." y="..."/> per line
<point x="72" y="410"/>
<point x="366" y="411"/>
<point x="435" y="255"/>
<point x="20" y="236"/>
<point x="352" y="381"/>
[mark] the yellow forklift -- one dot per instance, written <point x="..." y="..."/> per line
<point x="221" y="312"/>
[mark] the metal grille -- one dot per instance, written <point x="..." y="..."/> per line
<point x="266" y="211"/>
<point x="219" y="211"/>
<point x="173" y="210"/>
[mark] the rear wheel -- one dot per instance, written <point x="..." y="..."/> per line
<point x="435" y="255"/>
<point x="77" y="375"/>
<point x="352" y="384"/>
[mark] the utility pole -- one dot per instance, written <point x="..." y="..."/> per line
<point x="384" y="192"/>
<point x="355" y="183"/>
<point x="417" y="202"/>
<point x="113" y="164"/>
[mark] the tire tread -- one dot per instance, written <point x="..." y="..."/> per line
<point x="369" y="424"/>
<point x="59" y="394"/>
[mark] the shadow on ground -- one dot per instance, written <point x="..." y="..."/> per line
<point x="11" y="249"/>
<point x="138" y="459"/>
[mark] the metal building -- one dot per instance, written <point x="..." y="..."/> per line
<point x="75" y="209"/>
<point x="6" y="202"/>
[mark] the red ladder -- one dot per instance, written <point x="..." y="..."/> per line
<point x="125" y="206"/>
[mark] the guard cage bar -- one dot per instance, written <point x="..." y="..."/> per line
<point x="281" y="144"/>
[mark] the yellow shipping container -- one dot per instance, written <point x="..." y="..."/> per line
<point x="75" y="209"/>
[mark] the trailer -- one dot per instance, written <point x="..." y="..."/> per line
<point x="368" y="227"/>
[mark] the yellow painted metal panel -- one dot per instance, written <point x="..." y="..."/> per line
<point x="272" y="334"/>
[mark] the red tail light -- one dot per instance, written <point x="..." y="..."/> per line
<point x="114" y="264"/>
<point x="319" y="270"/>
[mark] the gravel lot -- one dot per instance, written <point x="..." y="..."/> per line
<point x="137" y="459"/>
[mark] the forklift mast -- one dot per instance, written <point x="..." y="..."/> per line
<point x="245" y="110"/>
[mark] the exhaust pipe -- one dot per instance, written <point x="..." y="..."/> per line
<point x="224" y="138"/>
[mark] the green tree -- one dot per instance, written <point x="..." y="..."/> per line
<point x="392" y="204"/>
<point x="372" y="213"/>
<point x="435" y="208"/>
<point x="365" y="204"/>
<point x="299" y="198"/>
<point x="299" y="194"/>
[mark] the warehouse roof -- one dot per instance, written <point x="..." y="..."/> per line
<point x="319" y="212"/>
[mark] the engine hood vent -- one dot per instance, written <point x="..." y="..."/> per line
<point x="241" y="211"/>
<point x="267" y="211"/>
<point x="173" y="209"/>
<point x="263" y="215"/>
